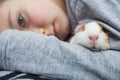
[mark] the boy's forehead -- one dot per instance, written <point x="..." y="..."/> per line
<point x="25" y="2"/>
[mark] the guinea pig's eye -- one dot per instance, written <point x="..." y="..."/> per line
<point x="21" y="21"/>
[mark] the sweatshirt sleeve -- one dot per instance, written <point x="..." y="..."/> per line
<point x="33" y="53"/>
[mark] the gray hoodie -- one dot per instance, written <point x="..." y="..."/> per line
<point x="30" y="52"/>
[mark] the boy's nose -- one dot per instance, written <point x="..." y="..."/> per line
<point x="45" y="30"/>
<point x="42" y="31"/>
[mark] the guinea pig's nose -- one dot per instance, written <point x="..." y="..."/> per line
<point x="93" y="37"/>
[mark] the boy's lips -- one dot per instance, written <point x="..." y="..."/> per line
<point x="55" y="30"/>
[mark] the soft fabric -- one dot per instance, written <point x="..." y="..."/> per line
<point x="33" y="53"/>
<point x="13" y="75"/>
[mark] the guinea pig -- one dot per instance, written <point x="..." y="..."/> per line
<point x="92" y="36"/>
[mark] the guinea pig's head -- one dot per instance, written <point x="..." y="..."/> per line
<point x="92" y="36"/>
<point x="91" y="27"/>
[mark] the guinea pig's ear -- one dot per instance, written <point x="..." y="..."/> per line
<point x="80" y="28"/>
<point x="101" y="27"/>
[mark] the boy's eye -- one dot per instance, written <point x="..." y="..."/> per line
<point x="21" y="21"/>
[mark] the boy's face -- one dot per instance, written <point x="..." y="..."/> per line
<point x="41" y="16"/>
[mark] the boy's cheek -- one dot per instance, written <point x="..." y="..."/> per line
<point x="3" y="28"/>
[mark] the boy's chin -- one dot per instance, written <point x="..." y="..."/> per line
<point x="61" y="37"/>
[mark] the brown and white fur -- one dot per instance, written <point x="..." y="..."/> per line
<point x="92" y="36"/>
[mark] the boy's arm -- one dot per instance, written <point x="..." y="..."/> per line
<point x="37" y="54"/>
